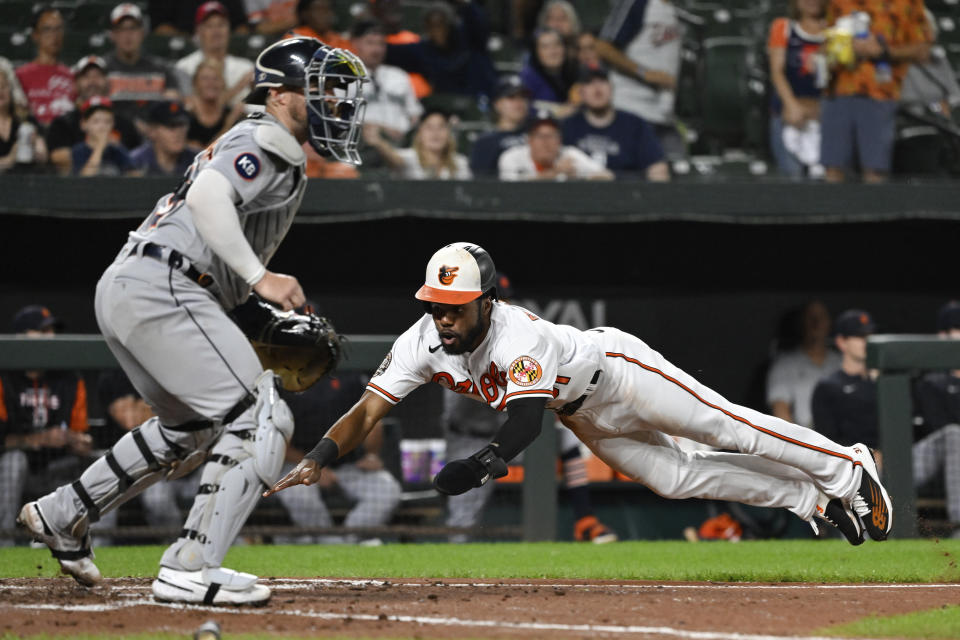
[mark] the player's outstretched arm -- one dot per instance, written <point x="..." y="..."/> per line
<point x="345" y="435"/>
<point x="490" y="463"/>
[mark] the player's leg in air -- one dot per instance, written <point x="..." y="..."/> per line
<point x="778" y="464"/>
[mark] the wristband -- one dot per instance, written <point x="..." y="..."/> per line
<point x="324" y="453"/>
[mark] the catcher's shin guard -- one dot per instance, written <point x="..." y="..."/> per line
<point x="239" y="468"/>
<point x="139" y="459"/>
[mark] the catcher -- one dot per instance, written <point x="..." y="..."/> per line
<point x="162" y="307"/>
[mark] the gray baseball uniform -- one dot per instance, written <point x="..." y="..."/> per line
<point x="161" y="307"/>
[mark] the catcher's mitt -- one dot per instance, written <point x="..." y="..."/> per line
<point x="300" y="347"/>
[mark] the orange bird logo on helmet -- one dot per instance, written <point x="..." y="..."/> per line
<point x="447" y="274"/>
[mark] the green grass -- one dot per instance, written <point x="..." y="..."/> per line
<point x="760" y="561"/>
<point x="930" y="625"/>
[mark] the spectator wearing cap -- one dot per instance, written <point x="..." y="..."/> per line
<point x="166" y="152"/>
<point x="640" y="41"/>
<point x="135" y="78"/>
<point x="90" y="79"/>
<point x="550" y="73"/>
<point x="210" y="115"/>
<point x="620" y="141"/>
<point x="14" y="124"/>
<point x="43" y="424"/>
<point x="452" y="56"/>
<point x="316" y="19"/>
<point x="937" y="423"/>
<point x="178" y="17"/>
<point x="844" y="403"/>
<point x="47" y="82"/>
<point x="512" y="107"/>
<point x="544" y="157"/>
<point x="271" y="17"/>
<point x="392" y="104"/>
<point x="212" y="35"/>
<point x="97" y="154"/>
<point x="433" y="154"/>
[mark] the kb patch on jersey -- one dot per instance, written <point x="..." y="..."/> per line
<point x="525" y="371"/>
<point x="247" y="165"/>
<point x="383" y="365"/>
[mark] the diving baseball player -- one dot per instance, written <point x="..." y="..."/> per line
<point x="162" y="307"/>
<point x="620" y="397"/>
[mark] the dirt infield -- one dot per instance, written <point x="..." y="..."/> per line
<point x="476" y="609"/>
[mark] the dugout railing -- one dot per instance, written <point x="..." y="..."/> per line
<point x="900" y="358"/>
<point x="364" y="353"/>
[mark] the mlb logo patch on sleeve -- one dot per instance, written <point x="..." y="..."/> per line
<point x="247" y="165"/>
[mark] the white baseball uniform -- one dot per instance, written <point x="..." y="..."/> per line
<point x="624" y="401"/>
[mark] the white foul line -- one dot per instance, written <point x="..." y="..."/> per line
<point x="430" y="620"/>
<point x="289" y="584"/>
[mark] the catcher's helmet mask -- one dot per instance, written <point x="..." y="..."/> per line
<point x="332" y="83"/>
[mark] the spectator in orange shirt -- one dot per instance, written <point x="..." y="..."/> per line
<point x="316" y="19"/>
<point x="857" y="115"/>
<point x="43" y="424"/>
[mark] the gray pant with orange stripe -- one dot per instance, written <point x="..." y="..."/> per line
<point x="642" y="400"/>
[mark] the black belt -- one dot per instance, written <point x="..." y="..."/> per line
<point x="571" y="407"/>
<point x="175" y="260"/>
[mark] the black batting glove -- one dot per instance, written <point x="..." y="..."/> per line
<point x="459" y="476"/>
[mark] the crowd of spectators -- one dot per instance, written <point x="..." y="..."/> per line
<point x="834" y="94"/>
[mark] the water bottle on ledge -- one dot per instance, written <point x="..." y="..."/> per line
<point x="25" y="135"/>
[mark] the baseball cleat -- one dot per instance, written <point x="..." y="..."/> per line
<point x="832" y="511"/>
<point x="589" y="529"/>
<point x="209" y="586"/>
<point x="77" y="563"/>
<point x="871" y="502"/>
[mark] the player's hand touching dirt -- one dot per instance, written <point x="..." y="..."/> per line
<point x="308" y="472"/>
<point x="281" y="289"/>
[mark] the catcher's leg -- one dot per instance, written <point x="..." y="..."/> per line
<point x="61" y="519"/>
<point x="242" y="463"/>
